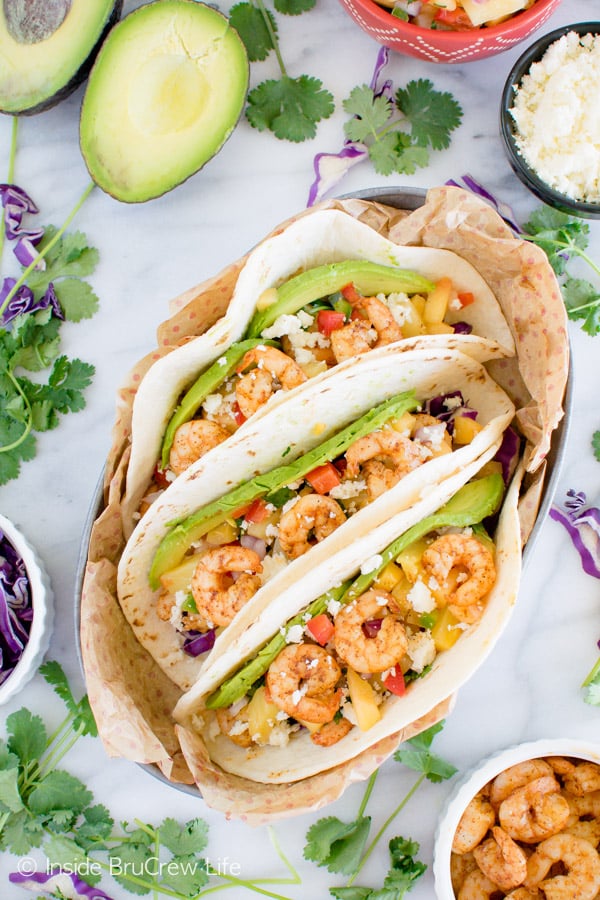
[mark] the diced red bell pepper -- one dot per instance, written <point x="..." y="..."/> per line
<point x="465" y="298"/>
<point x="454" y="18"/>
<point x="324" y="478"/>
<point x="394" y="683"/>
<point x="329" y="320"/>
<point x="238" y="415"/>
<point x="160" y="477"/>
<point x="258" y="511"/>
<point x="321" y="628"/>
<point x="350" y="293"/>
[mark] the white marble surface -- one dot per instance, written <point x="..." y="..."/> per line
<point x="529" y="686"/>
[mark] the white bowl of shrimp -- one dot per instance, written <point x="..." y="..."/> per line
<point x="525" y="825"/>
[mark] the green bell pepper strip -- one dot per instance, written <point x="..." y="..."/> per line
<point x="473" y="502"/>
<point x="177" y="542"/>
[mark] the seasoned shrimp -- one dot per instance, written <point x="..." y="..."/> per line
<point x="384" y="458"/>
<point x="474" y="824"/>
<point x="331" y="733"/>
<point x="192" y="440"/>
<point x="235" y="726"/>
<point x="582" y="862"/>
<point x="472" y="559"/>
<point x="522" y="893"/>
<point x="535" y="811"/>
<point x="589" y="805"/>
<point x="273" y="370"/>
<point x="460" y="866"/>
<point x="353" y="339"/>
<point x="302" y="682"/>
<point x="370" y="654"/>
<point x="478" y="886"/>
<point x="310" y="520"/>
<point x="502" y="860"/>
<point x="432" y="433"/>
<point x="583" y="779"/>
<point x="381" y="318"/>
<point x="516" y="777"/>
<point x="217" y="595"/>
<point x="587" y="829"/>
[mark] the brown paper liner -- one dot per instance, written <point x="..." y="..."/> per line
<point x="131" y="698"/>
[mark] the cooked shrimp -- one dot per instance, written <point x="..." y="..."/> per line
<point x="302" y="682"/>
<point x="384" y="458"/>
<point x="560" y="764"/>
<point x="583" y="779"/>
<point x="460" y="866"/>
<point x="522" y="893"/>
<point x="502" y="860"/>
<point x="478" y="886"/>
<point x="370" y="654"/>
<point x="432" y="433"/>
<point x="192" y="440"/>
<point x="589" y="805"/>
<point x="274" y="370"/>
<point x="218" y="597"/>
<point x="381" y="318"/>
<point x="535" y="811"/>
<point x="235" y="726"/>
<point x="516" y="777"/>
<point x="474" y="824"/>
<point x="353" y="339"/>
<point x="310" y="520"/>
<point x="472" y="559"/>
<point x="587" y="829"/>
<point x="582" y="862"/>
<point x="331" y="733"/>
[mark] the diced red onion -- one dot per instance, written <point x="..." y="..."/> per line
<point x="69" y="885"/>
<point x="410" y="7"/>
<point x="462" y="327"/>
<point x="371" y="627"/>
<point x="583" y="526"/>
<point x="199" y="642"/>
<point x="254" y="543"/>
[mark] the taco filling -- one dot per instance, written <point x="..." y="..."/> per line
<point x="332" y="667"/>
<point x="303" y="328"/>
<point x="214" y="562"/>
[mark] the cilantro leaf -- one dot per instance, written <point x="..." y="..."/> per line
<point x="77" y="299"/>
<point x="131" y="857"/>
<point x="27" y="736"/>
<point x="337" y="845"/>
<point x="354" y="892"/>
<point x="432" y="114"/>
<point x="10" y="797"/>
<point x="592" y="695"/>
<point x="383" y="153"/>
<point x="186" y="874"/>
<point x="64" y="853"/>
<point x="294" y="7"/>
<point x="21" y="833"/>
<point x="250" y="24"/>
<point x="96" y="826"/>
<point x="557" y="234"/>
<point x="59" y="791"/>
<point x="289" y="107"/>
<point x="70" y="256"/>
<point x="403" y="873"/>
<point x="182" y="840"/>
<point x="369" y="113"/>
<point x="22" y="449"/>
<point x="596" y="444"/>
<point x="81" y="711"/>
<point x="582" y="301"/>
<point x="417" y="756"/>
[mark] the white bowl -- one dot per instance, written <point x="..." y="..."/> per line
<point x="43" y="614"/>
<point x="479" y="776"/>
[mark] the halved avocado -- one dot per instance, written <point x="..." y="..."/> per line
<point x="47" y="48"/>
<point x="165" y="93"/>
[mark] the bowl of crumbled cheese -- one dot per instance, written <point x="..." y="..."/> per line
<point x="550" y="118"/>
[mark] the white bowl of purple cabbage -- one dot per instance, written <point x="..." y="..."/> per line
<point x="26" y="611"/>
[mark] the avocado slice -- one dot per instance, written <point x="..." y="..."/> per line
<point x="470" y="505"/>
<point x="165" y="93"/>
<point x="368" y="277"/>
<point x="47" y="48"/>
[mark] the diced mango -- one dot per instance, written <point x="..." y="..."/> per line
<point x="363" y="700"/>
<point x="437" y="301"/>
<point x="224" y="533"/>
<point x="418" y="302"/>
<point x="404" y="424"/>
<point x="179" y="579"/>
<point x="465" y="429"/>
<point x="410" y="559"/>
<point x="261" y="716"/>
<point x="445" y="633"/>
<point x="259" y="529"/>
<point x="388" y="578"/>
<point x="312" y="727"/>
<point x="439" y="328"/>
<point x="413" y="322"/>
<point x="314" y="367"/>
<point x="400" y="593"/>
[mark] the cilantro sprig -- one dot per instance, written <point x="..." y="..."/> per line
<point x="565" y="238"/>
<point x="399" y="131"/>
<point x="596" y="444"/>
<point x="288" y="107"/>
<point x="341" y="847"/>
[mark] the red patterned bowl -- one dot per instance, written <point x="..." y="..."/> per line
<point x="447" y="46"/>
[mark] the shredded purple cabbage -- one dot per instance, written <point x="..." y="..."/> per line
<point x="16" y="611"/>
<point x="330" y="168"/>
<point x="26" y="253"/>
<point x="17" y="203"/>
<point x="583" y="525"/>
<point x="508" y="453"/>
<point x="69" y="885"/>
<point x="462" y="327"/>
<point x="503" y="209"/>
<point x="24" y="301"/>
<point x="199" y="642"/>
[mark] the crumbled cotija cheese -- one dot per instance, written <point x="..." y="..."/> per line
<point x="557" y="115"/>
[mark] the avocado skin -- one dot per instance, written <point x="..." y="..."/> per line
<point x="80" y="75"/>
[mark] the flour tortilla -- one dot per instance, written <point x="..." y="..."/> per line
<point x="319" y="237"/>
<point x="301" y="758"/>
<point x="288" y="430"/>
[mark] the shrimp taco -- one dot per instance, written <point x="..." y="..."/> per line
<point x="304" y="482"/>
<point x="322" y="291"/>
<point x="382" y="633"/>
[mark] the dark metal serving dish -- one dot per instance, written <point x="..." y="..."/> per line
<point x="399" y="198"/>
